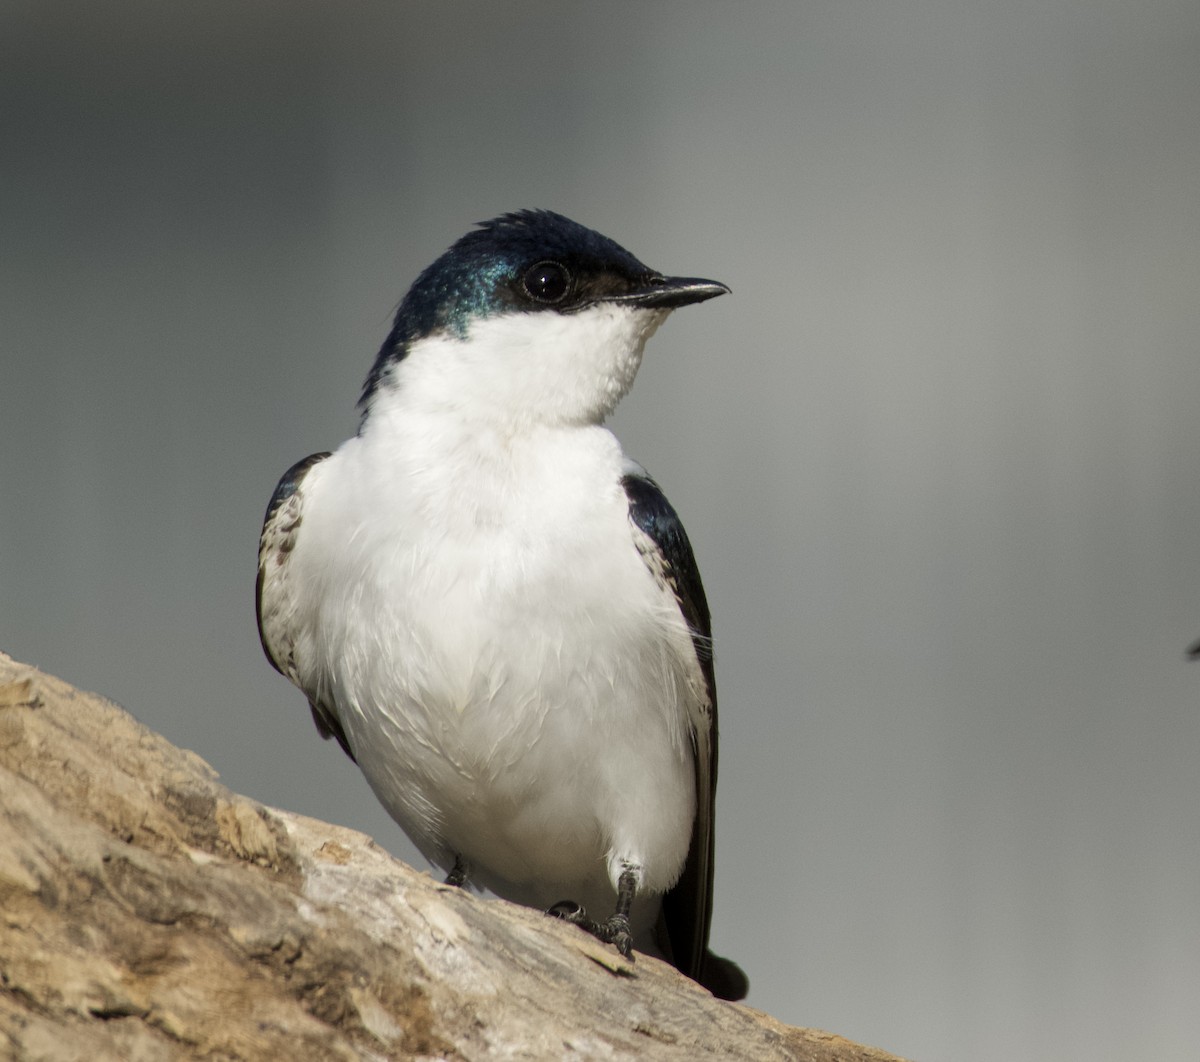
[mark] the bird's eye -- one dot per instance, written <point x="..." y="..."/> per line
<point x="546" y="282"/>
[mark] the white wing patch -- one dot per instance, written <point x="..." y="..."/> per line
<point x="699" y="701"/>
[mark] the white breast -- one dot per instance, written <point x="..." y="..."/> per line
<point x="510" y="676"/>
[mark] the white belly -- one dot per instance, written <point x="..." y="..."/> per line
<point x="509" y="674"/>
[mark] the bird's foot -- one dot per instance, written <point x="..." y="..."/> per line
<point x="614" y="930"/>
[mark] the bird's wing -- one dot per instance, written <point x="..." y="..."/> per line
<point x="274" y="595"/>
<point x="687" y="906"/>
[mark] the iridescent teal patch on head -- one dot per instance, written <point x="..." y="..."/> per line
<point x="473" y="295"/>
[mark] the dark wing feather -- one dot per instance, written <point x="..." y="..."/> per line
<point x="687" y="906"/>
<point x="275" y="544"/>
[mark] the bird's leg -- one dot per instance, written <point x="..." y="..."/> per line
<point x="614" y="930"/>
<point x="458" y="876"/>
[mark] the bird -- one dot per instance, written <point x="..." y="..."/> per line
<point x="496" y="613"/>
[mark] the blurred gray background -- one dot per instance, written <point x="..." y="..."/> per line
<point x="938" y="453"/>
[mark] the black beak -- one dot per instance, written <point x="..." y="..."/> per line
<point x="666" y="293"/>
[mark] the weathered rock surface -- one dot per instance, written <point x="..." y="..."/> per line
<point x="148" y="913"/>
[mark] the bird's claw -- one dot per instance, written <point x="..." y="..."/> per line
<point x="570" y="911"/>
<point x="614" y="931"/>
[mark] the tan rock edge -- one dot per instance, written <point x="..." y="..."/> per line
<point x="147" y="913"/>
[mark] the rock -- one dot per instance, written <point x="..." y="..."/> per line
<point x="148" y="913"/>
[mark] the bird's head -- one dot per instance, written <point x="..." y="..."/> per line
<point x="530" y="318"/>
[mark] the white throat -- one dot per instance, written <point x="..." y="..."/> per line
<point x="522" y="369"/>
